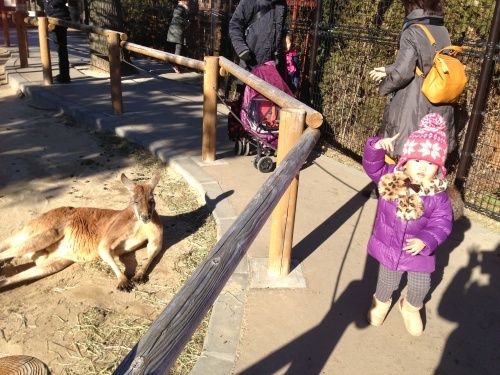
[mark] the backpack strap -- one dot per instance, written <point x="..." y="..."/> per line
<point x="431" y="40"/>
<point x="259" y="14"/>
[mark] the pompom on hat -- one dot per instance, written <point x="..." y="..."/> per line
<point x="428" y="143"/>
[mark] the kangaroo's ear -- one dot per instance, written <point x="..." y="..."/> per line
<point x="154" y="179"/>
<point x="128" y="184"/>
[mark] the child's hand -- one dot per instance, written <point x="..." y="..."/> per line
<point x="386" y="143"/>
<point x="377" y="74"/>
<point x="414" y="247"/>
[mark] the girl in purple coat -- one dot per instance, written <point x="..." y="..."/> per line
<point x="414" y="217"/>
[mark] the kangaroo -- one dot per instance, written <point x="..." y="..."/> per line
<point x="66" y="235"/>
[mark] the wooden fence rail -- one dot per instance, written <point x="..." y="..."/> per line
<point x="159" y="347"/>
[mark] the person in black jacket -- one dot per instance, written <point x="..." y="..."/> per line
<point x="59" y="9"/>
<point x="177" y="28"/>
<point x="256" y="30"/>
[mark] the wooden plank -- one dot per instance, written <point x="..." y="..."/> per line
<point x="210" y="86"/>
<point x="165" y="56"/>
<point x="292" y="123"/>
<point x="44" y="51"/>
<point x="115" y="73"/>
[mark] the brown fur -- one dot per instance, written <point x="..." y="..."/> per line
<point x="65" y="235"/>
<point x="457" y="203"/>
<point x="397" y="186"/>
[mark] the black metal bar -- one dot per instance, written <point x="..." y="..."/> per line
<point x="314" y="47"/>
<point x="480" y="100"/>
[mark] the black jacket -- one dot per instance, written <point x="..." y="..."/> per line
<point x="262" y="37"/>
<point x="56" y="9"/>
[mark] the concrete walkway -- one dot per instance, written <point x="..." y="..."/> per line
<point x="311" y="322"/>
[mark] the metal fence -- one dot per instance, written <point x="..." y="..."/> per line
<point x="339" y="43"/>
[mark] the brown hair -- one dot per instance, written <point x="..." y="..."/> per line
<point x="430" y="7"/>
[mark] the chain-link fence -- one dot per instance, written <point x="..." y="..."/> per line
<point x="339" y="43"/>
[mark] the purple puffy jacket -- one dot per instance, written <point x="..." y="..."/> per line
<point x="390" y="233"/>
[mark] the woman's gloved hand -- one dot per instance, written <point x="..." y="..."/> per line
<point x="377" y="74"/>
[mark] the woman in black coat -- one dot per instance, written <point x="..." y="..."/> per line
<point x="256" y="30"/>
<point x="177" y="28"/>
<point x="406" y="104"/>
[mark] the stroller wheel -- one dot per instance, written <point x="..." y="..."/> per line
<point x="246" y="151"/>
<point x="238" y="147"/>
<point x="265" y="164"/>
<point x="256" y="160"/>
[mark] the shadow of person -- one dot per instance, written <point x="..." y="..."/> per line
<point x="472" y="300"/>
<point x="308" y="353"/>
<point x="443" y="252"/>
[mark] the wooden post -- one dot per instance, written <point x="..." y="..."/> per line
<point x="21" y="39"/>
<point x="5" y="23"/>
<point x="115" y="72"/>
<point x="292" y="123"/>
<point x="44" y="50"/>
<point x="210" y="87"/>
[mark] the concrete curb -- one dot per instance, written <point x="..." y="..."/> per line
<point x="221" y="341"/>
<point x="4" y="53"/>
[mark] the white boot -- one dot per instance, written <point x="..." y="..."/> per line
<point x="378" y="311"/>
<point x="411" y="317"/>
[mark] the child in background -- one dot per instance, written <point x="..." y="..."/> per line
<point x="414" y="217"/>
<point x="292" y="64"/>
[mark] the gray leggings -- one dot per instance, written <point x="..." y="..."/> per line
<point x="419" y="284"/>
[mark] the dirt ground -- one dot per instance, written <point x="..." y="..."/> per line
<point x="76" y="321"/>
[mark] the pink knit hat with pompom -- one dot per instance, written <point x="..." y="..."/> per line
<point x="428" y="143"/>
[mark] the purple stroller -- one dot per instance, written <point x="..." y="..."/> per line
<point x="260" y="119"/>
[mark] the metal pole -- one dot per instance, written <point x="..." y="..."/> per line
<point x="314" y="49"/>
<point x="480" y="100"/>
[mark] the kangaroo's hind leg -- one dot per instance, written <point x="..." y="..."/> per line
<point x="24" y="243"/>
<point x="37" y="234"/>
<point x="37" y="272"/>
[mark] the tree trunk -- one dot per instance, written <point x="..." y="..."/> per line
<point x="106" y="14"/>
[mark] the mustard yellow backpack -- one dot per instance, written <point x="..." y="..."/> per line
<point x="446" y="79"/>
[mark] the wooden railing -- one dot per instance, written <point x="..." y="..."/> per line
<point x="160" y="346"/>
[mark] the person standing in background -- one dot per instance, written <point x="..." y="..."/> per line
<point x="256" y="30"/>
<point x="59" y="9"/>
<point x="406" y="104"/>
<point x="176" y="31"/>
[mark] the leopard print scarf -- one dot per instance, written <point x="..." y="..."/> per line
<point x="398" y="186"/>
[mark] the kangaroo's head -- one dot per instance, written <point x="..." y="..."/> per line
<point x="143" y="200"/>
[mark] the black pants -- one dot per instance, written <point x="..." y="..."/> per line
<point x="62" y="50"/>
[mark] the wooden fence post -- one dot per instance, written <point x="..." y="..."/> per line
<point x="210" y="87"/>
<point x="292" y="123"/>
<point x="21" y="39"/>
<point x="44" y="50"/>
<point x="5" y="23"/>
<point x="115" y="72"/>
